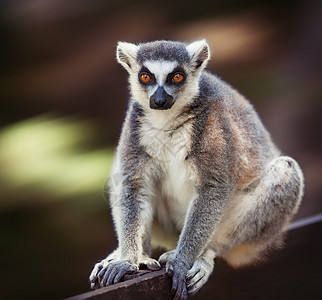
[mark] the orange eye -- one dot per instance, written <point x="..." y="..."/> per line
<point x="145" y="78"/>
<point x="177" y="78"/>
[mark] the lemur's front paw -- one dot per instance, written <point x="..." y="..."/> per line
<point x="198" y="275"/>
<point x="177" y="269"/>
<point x="150" y="263"/>
<point x="94" y="278"/>
<point x="111" y="269"/>
<point x="167" y="256"/>
<point x="108" y="272"/>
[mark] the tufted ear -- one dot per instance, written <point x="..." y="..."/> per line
<point x="126" y="54"/>
<point x="199" y="53"/>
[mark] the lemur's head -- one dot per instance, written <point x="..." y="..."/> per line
<point x="163" y="73"/>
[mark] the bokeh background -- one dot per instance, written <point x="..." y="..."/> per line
<point x="63" y="98"/>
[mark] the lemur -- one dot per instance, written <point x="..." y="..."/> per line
<point x="194" y="155"/>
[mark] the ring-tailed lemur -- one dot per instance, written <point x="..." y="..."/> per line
<point x="194" y="154"/>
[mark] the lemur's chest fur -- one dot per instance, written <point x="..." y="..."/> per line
<point x="174" y="180"/>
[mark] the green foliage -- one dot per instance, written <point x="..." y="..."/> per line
<point x="51" y="158"/>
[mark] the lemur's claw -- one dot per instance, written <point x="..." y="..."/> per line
<point x="110" y="271"/>
<point x="198" y="275"/>
<point x="177" y="269"/>
<point x="114" y="272"/>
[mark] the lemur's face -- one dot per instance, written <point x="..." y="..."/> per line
<point x="162" y="82"/>
<point x="163" y="74"/>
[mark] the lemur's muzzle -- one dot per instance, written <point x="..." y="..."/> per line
<point x="161" y="99"/>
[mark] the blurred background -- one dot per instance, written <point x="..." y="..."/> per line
<point x="63" y="98"/>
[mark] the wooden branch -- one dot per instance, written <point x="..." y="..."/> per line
<point x="140" y="286"/>
<point x="293" y="272"/>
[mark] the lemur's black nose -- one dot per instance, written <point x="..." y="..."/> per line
<point x="161" y="99"/>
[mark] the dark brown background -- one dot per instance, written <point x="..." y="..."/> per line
<point x="63" y="98"/>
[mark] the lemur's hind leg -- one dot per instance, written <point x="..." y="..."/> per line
<point x="258" y="218"/>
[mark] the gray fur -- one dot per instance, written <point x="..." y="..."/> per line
<point x="206" y="167"/>
<point x="164" y="50"/>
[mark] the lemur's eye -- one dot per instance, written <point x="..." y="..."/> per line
<point x="177" y="78"/>
<point x="145" y="78"/>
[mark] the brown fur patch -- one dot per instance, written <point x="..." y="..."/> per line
<point x="242" y="255"/>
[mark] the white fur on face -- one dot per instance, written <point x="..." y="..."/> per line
<point x="160" y="69"/>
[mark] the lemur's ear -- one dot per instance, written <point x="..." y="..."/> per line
<point x="199" y="53"/>
<point x="126" y="54"/>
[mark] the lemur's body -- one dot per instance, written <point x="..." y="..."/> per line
<point x="193" y="153"/>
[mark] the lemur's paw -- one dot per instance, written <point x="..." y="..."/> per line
<point x="114" y="271"/>
<point x="110" y="271"/>
<point x="167" y="256"/>
<point x="94" y="279"/>
<point x="177" y="269"/>
<point x="198" y="275"/>
<point x="150" y="263"/>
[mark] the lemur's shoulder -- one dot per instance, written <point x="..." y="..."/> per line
<point x="215" y="89"/>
